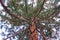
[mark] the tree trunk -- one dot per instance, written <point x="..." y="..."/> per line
<point x="33" y="32"/>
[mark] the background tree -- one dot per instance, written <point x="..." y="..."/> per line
<point x="36" y="17"/>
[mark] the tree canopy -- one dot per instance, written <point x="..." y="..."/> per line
<point x="38" y="16"/>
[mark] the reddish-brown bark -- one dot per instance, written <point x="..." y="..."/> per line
<point x="33" y="31"/>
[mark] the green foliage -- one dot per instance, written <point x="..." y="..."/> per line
<point x="24" y="9"/>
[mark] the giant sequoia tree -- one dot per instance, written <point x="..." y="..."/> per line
<point x="19" y="11"/>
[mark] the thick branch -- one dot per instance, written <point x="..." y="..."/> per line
<point x="11" y="14"/>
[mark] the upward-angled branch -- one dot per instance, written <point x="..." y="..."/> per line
<point x="39" y="10"/>
<point x="11" y="14"/>
<point x="26" y="6"/>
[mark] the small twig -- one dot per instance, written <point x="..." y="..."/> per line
<point x="26" y="6"/>
<point x="54" y="14"/>
<point x="16" y="33"/>
<point x="41" y="29"/>
<point x="23" y="33"/>
<point x="42" y="35"/>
